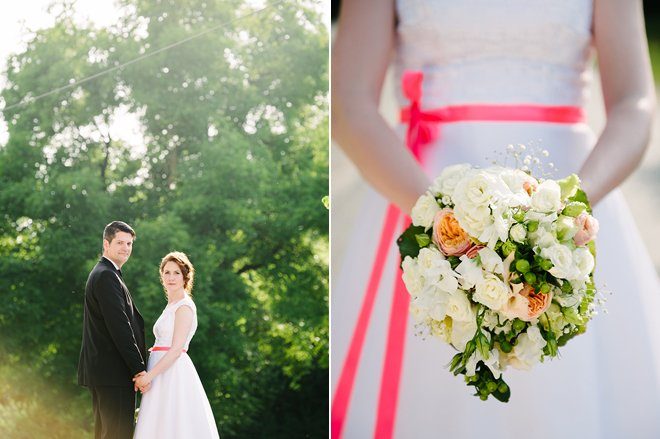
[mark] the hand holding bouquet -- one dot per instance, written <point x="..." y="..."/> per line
<point x="500" y="265"/>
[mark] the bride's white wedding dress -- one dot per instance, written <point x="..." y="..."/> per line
<point x="176" y="406"/>
<point x="606" y="384"/>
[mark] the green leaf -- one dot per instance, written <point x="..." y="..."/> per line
<point x="407" y="242"/>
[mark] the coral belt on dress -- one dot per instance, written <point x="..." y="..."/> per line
<point x="162" y="348"/>
<point x="423" y="129"/>
<point x="423" y="124"/>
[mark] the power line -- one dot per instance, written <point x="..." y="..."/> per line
<point x="29" y="100"/>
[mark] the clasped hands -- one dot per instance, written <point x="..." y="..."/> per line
<point x="142" y="382"/>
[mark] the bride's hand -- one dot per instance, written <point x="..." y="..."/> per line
<point x="143" y="381"/>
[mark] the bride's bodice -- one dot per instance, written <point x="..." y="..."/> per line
<point x="164" y="326"/>
<point x="478" y="51"/>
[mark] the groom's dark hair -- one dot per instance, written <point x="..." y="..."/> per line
<point x="116" y="226"/>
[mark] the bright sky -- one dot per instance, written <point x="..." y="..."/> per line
<point x="17" y="21"/>
<point x="33" y="14"/>
<point x="24" y="16"/>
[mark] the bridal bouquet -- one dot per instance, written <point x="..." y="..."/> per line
<point x="500" y="265"/>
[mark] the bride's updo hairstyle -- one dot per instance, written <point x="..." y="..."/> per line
<point x="184" y="264"/>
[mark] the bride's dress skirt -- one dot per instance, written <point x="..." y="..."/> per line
<point x="176" y="406"/>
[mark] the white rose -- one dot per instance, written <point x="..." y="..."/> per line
<point x="528" y="350"/>
<point x="518" y="233"/>
<point x="459" y="307"/>
<point x="446" y="182"/>
<point x="492" y="292"/>
<point x="490" y="260"/>
<point x="473" y="219"/>
<point x="477" y="188"/>
<point x="584" y="262"/>
<point x="547" y="197"/>
<point x="461" y="333"/>
<point x="424" y="211"/>
<point x="562" y="261"/>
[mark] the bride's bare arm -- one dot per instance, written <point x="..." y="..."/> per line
<point x="629" y="95"/>
<point x="361" y="55"/>
<point x="183" y="320"/>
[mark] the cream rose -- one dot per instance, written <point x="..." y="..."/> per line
<point x="424" y="211"/>
<point x="446" y="182"/>
<point x="478" y="188"/>
<point x="473" y="219"/>
<point x="562" y="261"/>
<point x="547" y="197"/>
<point x="518" y="233"/>
<point x="528" y="350"/>
<point x="583" y="261"/>
<point x="459" y="307"/>
<point x="492" y="292"/>
<point x="461" y="333"/>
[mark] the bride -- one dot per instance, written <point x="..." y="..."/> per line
<point x="174" y="404"/>
<point x="506" y="55"/>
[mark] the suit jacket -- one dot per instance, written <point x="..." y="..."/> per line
<point x="113" y="348"/>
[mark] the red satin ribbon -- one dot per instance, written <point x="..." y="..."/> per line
<point x="162" y="348"/>
<point x="423" y="124"/>
<point x="344" y="389"/>
<point x="423" y="129"/>
<point x="392" y="367"/>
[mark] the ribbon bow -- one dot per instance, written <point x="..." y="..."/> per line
<point x="420" y="132"/>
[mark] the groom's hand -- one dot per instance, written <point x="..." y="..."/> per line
<point x="135" y="386"/>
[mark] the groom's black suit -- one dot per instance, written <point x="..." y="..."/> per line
<point x="113" y="350"/>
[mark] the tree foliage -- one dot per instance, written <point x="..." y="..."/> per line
<point x="230" y="166"/>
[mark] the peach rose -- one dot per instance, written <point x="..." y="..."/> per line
<point x="473" y="251"/>
<point x="587" y="228"/>
<point x="448" y="235"/>
<point x="527" y="304"/>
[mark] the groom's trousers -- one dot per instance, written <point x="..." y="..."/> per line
<point x="114" y="412"/>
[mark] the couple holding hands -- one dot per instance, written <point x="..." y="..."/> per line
<point x="113" y="362"/>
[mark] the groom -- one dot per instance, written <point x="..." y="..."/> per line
<point x="113" y="348"/>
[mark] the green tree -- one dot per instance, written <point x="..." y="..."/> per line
<point x="231" y="169"/>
